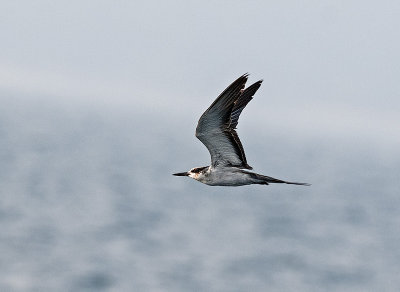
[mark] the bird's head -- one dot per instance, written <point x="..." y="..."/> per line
<point x="193" y="173"/>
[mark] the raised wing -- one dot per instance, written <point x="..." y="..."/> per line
<point x="242" y="101"/>
<point x="216" y="127"/>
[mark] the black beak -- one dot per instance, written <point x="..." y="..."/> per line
<point x="181" y="174"/>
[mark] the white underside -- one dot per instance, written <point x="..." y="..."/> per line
<point x="225" y="176"/>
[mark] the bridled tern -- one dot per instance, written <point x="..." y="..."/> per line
<point x="216" y="130"/>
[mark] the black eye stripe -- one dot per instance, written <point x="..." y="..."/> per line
<point x="198" y="169"/>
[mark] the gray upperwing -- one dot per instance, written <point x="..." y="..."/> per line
<point x="222" y="148"/>
<point x="220" y="110"/>
<point x="215" y="132"/>
<point x="242" y="101"/>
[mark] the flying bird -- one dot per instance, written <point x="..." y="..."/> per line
<point x="216" y="129"/>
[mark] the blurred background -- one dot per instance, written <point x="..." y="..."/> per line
<point x="100" y="100"/>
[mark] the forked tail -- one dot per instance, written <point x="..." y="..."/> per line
<point x="265" y="180"/>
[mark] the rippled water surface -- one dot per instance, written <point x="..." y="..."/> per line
<point x="88" y="203"/>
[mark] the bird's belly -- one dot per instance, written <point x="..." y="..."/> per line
<point x="227" y="179"/>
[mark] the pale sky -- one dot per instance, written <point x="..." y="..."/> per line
<point x="328" y="66"/>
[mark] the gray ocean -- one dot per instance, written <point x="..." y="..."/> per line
<point x="88" y="203"/>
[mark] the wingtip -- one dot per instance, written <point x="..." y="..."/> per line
<point x="245" y="76"/>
